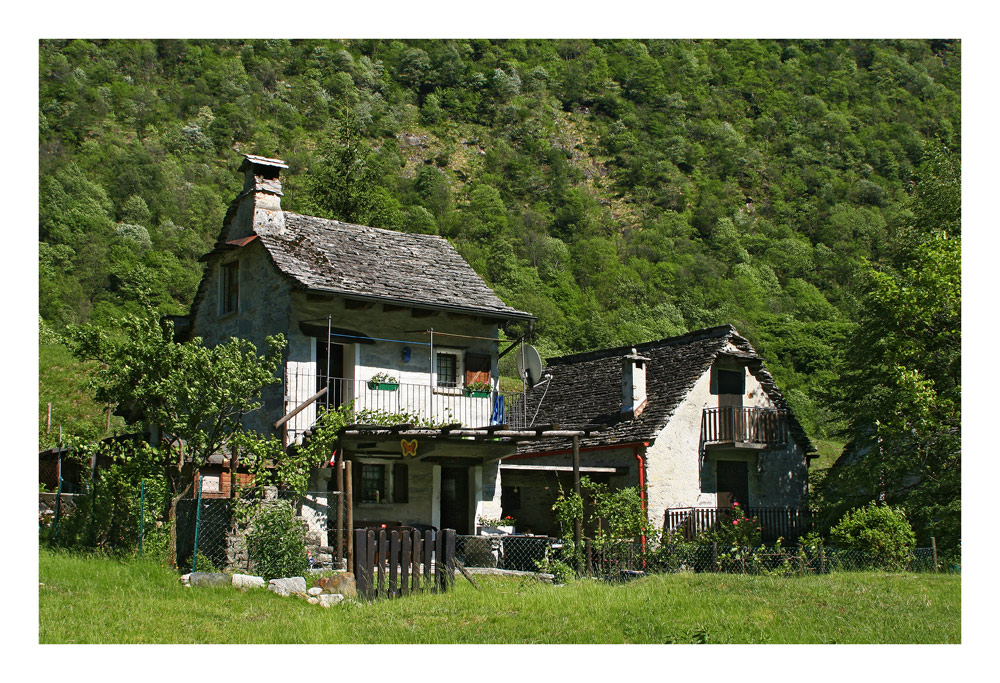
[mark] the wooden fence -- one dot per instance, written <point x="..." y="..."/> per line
<point x="787" y="523"/>
<point x="391" y="563"/>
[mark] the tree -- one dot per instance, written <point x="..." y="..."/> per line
<point x="342" y="184"/>
<point x="900" y="387"/>
<point x="194" y="397"/>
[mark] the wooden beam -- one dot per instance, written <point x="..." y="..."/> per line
<point x="309" y="401"/>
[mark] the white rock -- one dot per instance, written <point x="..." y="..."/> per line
<point x="248" y="581"/>
<point x="287" y="586"/>
<point x="315" y="590"/>
<point x="186" y="579"/>
<point x="313" y="601"/>
<point x="329" y="599"/>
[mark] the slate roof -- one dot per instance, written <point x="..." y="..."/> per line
<point x="357" y="260"/>
<point x="586" y="388"/>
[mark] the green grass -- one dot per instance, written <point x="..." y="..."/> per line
<point x="100" y="600"/>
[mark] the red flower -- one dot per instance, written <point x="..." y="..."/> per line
<point x="736" y="503"/>
<point x="736" y="521"/>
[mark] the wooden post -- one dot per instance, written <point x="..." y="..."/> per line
<point x="578" y="530"/>
<point x="449" y="559"/>
<point x="339" y="467"/>
<point x="350" y="513"/>
<point x="405" y="558"/>
<point x="393" y="563"/>
<point x="934" y="549"/>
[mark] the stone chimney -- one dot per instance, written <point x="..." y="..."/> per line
<point x="633" y="385"/>
<point x="259" y="204"/>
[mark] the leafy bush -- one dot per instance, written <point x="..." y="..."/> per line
<point x="276" y="541"/>
<point x="879" y="531"/>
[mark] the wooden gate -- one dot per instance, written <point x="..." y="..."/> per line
<point x="391" y="563"/>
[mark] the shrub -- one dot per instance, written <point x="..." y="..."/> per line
<point x="878" y="530"/>
<point x="276" y="541"/>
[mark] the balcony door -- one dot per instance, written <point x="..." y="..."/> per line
<point x="732" y="384"/>
<point x="338" y="392"/>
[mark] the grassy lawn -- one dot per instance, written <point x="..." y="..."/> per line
<point x="97" y="600"/>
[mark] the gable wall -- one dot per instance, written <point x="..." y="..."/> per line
<point x="675" y="479"/>
<point x="263" y="311"/>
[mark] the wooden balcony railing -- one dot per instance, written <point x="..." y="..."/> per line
<point x="786" y="523"/>
<point x="738" y="425"/>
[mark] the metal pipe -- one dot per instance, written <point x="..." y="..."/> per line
<point x="329" y="330"/>
<point x="197" y="524"/>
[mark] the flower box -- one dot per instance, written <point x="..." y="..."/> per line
<point x="383" y="386"/>
<point x="477" y="393"/>
<point x="495" y="530"/>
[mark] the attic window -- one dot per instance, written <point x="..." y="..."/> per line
<point x="731" y="381"/>
<point x="229" y="288"/>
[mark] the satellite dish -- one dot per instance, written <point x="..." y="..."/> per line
<point x="531" y="363"/>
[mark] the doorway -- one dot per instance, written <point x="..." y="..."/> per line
<point x="337" y="395"/>
<point x="731" y="483"/>
<point x="455" y="499"/>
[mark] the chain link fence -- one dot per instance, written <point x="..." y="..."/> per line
<point x="626" y="559"/>
<point x="211" y="531"/>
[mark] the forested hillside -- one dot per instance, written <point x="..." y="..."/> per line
<point x="622" y="191"/>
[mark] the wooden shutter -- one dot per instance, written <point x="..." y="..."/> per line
<point x="400" y="483"/>
<point x="477" y="368"/>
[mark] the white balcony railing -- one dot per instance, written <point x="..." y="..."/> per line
<point x="438" y="405"/>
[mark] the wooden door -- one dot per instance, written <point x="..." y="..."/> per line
<point x="731" y="483"/>
<point x="455" y="499"/>
<point x="731" y="384"/>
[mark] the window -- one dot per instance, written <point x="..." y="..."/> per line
<point x="373" y="483"/>
<point x="448" y="369"/>
<point x="229" y="288"/>
<point x="209" y="483"/>
<point x="375" y="486"/>
<point x="731" y="381"/>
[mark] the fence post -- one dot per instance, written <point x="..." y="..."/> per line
<point x="55" y="524"/>
<point x="934" y="549"/>
<point x="197" y="523"/>
<point x="588" y="545"/>
<point x="348" y="500"/>
<point x="822" y="559"/>
<point x="142" y="507"/>
<point x="715" y="554"/>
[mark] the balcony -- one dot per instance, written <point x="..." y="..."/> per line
<point x="747" y="428"/>
<point x="439" y="405"/>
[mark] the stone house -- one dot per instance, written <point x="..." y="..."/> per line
<point x="383" y="320"/>
<point x="696" y="421"/>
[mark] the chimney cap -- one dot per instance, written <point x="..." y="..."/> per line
<point x="635" y="355"/>
<point x="255" y="160"/>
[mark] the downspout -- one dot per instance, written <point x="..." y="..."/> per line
<point x="642" y="489"/>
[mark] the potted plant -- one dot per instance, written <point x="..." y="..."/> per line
<point x="477" y="389"/>
<point x="491" y="526"/>
<point x="383" y="381"/>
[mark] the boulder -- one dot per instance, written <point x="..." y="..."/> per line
<point x="209" y="579"/>
<point x="313" y="601"/>
<point x="247" y="581"/>
<point x="329" y="599"/>
<point x="342" y="583"/>
<point x="314" y="591"/>
<point x="287" y="586"/>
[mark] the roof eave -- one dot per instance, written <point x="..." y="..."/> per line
<point x="470" y="310"/>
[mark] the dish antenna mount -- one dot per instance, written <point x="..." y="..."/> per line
<point x="529" y="364"/>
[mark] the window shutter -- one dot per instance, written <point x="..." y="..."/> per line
<point x="400" y="483"/>
<point x="477" y="368"/>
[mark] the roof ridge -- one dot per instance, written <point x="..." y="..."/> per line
<point x="418" y="235"/>
<point x="686" y="338"/>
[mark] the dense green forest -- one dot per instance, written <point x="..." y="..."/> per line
<point x="620" y="190"/>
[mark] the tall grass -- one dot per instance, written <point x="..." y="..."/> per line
<point x="99" y="600"/>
